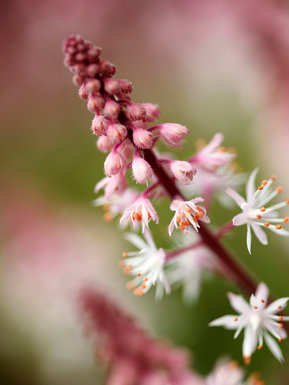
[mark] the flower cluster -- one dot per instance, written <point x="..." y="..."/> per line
<point x="128" y="132"/>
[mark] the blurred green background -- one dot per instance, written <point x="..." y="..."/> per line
<point x="207" y="69"/>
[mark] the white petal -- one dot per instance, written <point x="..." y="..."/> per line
<point x="251" y="188"/>
<point x="171" y="226"/>
<point x="262" y="292"/>
<point x="240" y="219"/>
<point x="238" y="303"/>
<point x="277" y="306"/>
<point x="260" y="234"/>
<point x="135" y="240"/>
<point x="235" y="196"/>
<point x="250" y="342"/>
<point x="227" y="321"/>
<point x="274" y="347"/>
<point x="249" y="238"/>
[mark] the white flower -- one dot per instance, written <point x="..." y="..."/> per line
<point x="146" y="265"/>
<point x="226" y="373"/>
<point x="141" y="211"/>
<point x="257" y="320"/>
<point x="187" y="269"/>
<point x="254" y="211"/>
<point x="187" y="215"/>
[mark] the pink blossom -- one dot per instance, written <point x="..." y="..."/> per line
<point x="141" y="170"/>
<point x="172" y="133"/>
<point x="115" y="184"/>
<point x="116" y="133"/>
<point x="142" y="138"/>
<point x="182" y="171"/>
<point x="113" y="163"/>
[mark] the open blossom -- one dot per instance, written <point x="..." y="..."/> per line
<point x="255" y="214"/>
<point x="187" y="215"/>
<point x="258" y="320"/>
<point x="187" y="268"/>
<point x="141" y="170"/>
<point x="115" y="184"/>
<point x="141" y="211"/>
<point x="146" y="265"/>
<point x="226" y="373"/>
<point x="212" y="156"/>
<point x="182" y="171"/>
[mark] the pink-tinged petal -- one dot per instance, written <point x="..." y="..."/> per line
<point x="260" y="234"/>
<point x="250" y="187"/>
<point x="152" y="211"/>
<point x="175" y="204"/>
<point x="101" y="184"/>
<point x="227" y="321"/>
<point x="214" y="143"/>
<point x="249" y="238"/>
<point x="171" y="226"/>
<point x="125" y="215"/>
<point x="238" y="303"/>
<point x="240" y="219"/>
<point x="262" y="292"/>
<point x="235" y="196"/>
<point x="278" y="305"/>
<point x="250" y="342"/>
<point x="274" y="347"/>
<point x="196" y="200"/>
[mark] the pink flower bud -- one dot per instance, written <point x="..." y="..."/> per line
<point x="135" y="111"/>
<point x="93" y="85"/>
<point x="78" y="79"/>
<point x="183" y="171"/>
<point x="92" y="70"/>
<point x="99" y="125"/>
<point x="152" y="112"/>
<point x="93" y="54"/>
<point x="116" y="133"/>
<point x="95" y="103"/>
<point x="142" y="138"/>
<point x="117" y="86"/>
<point x="173" y="134"/>
<point x="106" y="69"/>
<point x="103" y="144"/>
<point x="111" y="109"/>
<point x="141" y="170"/>
<point x="79" y="69"/>
<point x="80" y="56"/>
<point x="82" y="92"/>
<point x="113" y="163"/>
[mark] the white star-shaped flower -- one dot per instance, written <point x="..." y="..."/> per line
<point x="255" y="214"/>
<point x="258" y="320"/>
<point x="146" y="265"/>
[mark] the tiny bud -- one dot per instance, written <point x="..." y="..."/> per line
<point x="80" y="56"/>
<point x="135" y="111"/>
<point x="78" y="79"/>
<point x="82" y="92"/>
<point x="113" y="163"/>
<point x="111" y="109"/>
<point x="141" y="170"/>
<point x="106" y="69"/>
<point x="95" y="103"/>
<point x="182" y="171"/>
<point x="92" y="69"/>
<point x="79" y="69"/>
<point x="117" y="86"/>
<point x="172" y="134"/>
<point x="103" y="144"/>
<point x="93" y="85"/>
<point x="99" y="125"/>
<point x="116" y="133"/>
<point x="93" y="54"/>
<point x="142" y="138"/>
<point x="152" y="112"/>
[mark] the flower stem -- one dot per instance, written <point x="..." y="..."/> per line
<point x="227" y="261"/>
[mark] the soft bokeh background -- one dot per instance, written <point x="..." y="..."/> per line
<point x="212" y="66"/>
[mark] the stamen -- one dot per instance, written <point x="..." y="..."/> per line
<point x="143" y="286"/>
<point x="259" y="216"/>
<point x="273" y="177"/>
<point x="267" y="224"/>
<point x="264" y="182"/>
<point x="262" y="300"/>
<point x="235" y="319"/>
<point x="280" y="318"/>
<point x="138" y="274"/>
<point x="200" y="214"/>
<point x="279" y="189"/>
<point x="260" y="187"/>
<point x="178" y="219"/>
<point x="188" y="209"/>
<point x="130" y="285"/>
<point x="255" y="307"/>
<point x="279" y="307"/>
<point x="145" y="279"/>
<point x="183" y="214"/>
<point x="286" y="219"/>
<point x="262" y="209"/>
<point x="280" y="339"/>
<point x="278" y="227"/>
<point x="247" y="359"/>
<point x="260" y="347"/>
<point x="280" y="326"/>
<point x="108" y="217"/>
<point x="182" y="226"/>
<point x="124" y="254"/>
<point x="287" y="201"/>
<point x="187" y="223"/>
<point x="138" y="292"/>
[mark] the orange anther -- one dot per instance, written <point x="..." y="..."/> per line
<point x="267" y="224"/>
<point x="285" y="220"/>
<point x="145" y="279"/>
<point x="247" y="359"/>
<point x="200" y="214"/>
<point x="138" y="292"/>
<point x="183" y="214"/>
<point x="280" y="318"/>
<point x="198" y="208"/>
<point x="188" y="209"/>
<point x="273" y="177"/>
<point x="235" y="319"/>
<point x="187" y="223"/>
<point x="138" y="217"/>
<point x="259" y="216"/>
<point x="138" y="274"/>
<point x="262" y="209"/>
<point x="108" y="217"/>
<point x="278" y="227"/>
<point x="280" y="339"/>
<point x="280" y="326"/>
<point x="196" y="218"/>
<point x="279" y="189"/>
<point x="130" y="285"/>
<point x="260" y="347"/>
<point x="124" y="254"/>
<point x="182" y="226"/>
<point x="149" y="216"/>
<point x="279" y="307"/>
<point x="260" y="187"/>
<point x="178" y="219"/>
<point x="262" y="300"/>
<point x="264" y="182"/>
<point x="255" y="307"/>
<point x="143" y="286"/>
<point x="287" y="201"/>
